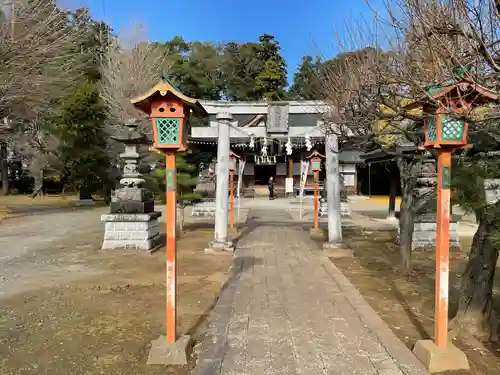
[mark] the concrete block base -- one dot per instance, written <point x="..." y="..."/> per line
<point x="316" y="234"/>
<point x="439" y="360"/>
<point x="162" y="353"/>
<point x="219" y="247"/>
<point x="345" y="210"/>
<point x="147" y="244"/>
<point x="424" y="235"/>
<point x="336" y="250"/>
<point x="131" y="231"/>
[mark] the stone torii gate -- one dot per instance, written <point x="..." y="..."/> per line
<point x="221" y="242"/>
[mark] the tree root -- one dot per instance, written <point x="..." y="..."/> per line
<point x="482" y="327"/>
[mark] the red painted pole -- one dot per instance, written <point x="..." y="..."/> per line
<point x="442" y="249"/>
<point x="316" y="208"/>
<point x="231" y="199"/>
<point x="171" y="266"/>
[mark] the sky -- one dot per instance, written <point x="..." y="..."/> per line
<point x="302" y="27"/>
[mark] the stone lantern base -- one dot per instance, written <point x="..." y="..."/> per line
<point x="424" y="233"/>
<point x="345" y="210"/>
<point x="131" y="231"/>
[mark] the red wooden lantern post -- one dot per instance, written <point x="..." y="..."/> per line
<point x="315" y="160"/>
<point x="233" y="163"/>
<point x="170" y="111"/>
<point x="445" y="131"/>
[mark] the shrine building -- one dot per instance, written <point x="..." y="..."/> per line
<point x="259" y="134"/>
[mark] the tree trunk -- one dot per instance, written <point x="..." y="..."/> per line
<point x="408" y="170"/>
<point x="476" y="314"/>
<point x="4" y="169"/>
<point x="38" y="188"/>
<point x="406" y="226"/>
<point x="392" y="197"/>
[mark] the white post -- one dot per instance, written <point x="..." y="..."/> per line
<point x="241" y="168"/>
<point x="304" y="169"/>
<point x="220" y="241"/>
<point x="333" y="191"/>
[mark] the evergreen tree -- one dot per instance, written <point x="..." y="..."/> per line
<point x="242" y="65"/>
<point x="79" y="123"/>
<point x="80" y="129"/>
<point x="234" y="71"/>
<point x="187" y="177"/>
<point x="306" y="81"/>
<point x="271" y="80"/>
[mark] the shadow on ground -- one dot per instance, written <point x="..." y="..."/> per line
<point x="102" y="322"/>
<point x="406" y="303"/>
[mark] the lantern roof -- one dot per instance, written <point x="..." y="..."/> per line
<point x="461" y="82"/>
<point x="315" y="154"/>
<point x="166" y="88"/>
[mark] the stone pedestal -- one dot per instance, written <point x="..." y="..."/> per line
<point x="424" y="233"/>
<point x="162" y="353"/>
<point x="131" y="231"/>
<point x="317" y="234"/>
<point x="219" y="247"/>
<point x="345" y="210"/>
<point x="440" y="360"/>
<point x="132" y="200"/>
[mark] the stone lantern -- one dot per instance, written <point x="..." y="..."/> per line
<point x="132" y="221"/>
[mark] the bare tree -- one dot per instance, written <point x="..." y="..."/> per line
<point x="40" y="59"/>
<point x="40" y="56"/>
<point x="131" y="67"/>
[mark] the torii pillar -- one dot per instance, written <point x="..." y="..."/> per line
<point x="334" y="245"/>
<point x="221" y="242"/>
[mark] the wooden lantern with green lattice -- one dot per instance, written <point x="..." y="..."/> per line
<point x="445" y="107"/>
<point x="170" y="111"/>
<point x="315" y="158"/>
<point x="233" y="161"/>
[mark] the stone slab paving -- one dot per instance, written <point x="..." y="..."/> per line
<point x="286" y="309"/>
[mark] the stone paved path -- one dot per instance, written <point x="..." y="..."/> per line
<point x="287" y="310"/>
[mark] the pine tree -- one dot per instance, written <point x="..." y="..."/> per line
<point x="306" y="83"/>
<point x="80" y="129"/>
<point x="187" y="178"/>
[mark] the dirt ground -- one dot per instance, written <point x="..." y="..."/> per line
<point x="13" y="205"/>
<point x="407" y="303"/>
<point x="102" y="317"/>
